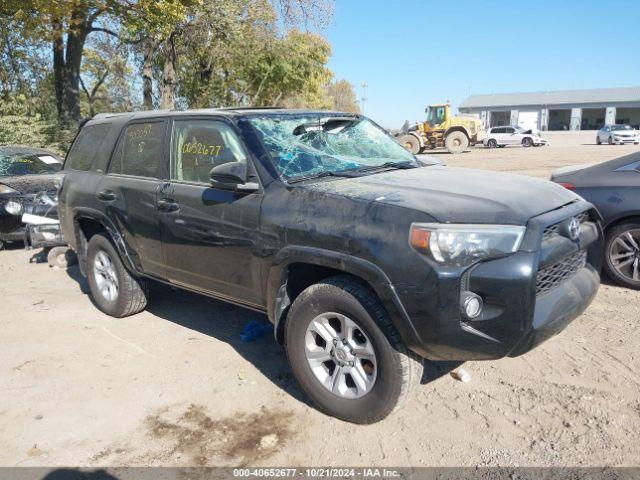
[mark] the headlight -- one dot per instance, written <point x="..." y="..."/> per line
<point x="14" y="208"/>
<point x="7" y="189"/>
<point x="461" y="245"/>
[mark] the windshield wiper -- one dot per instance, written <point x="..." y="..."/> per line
<point x="343" y="174"/>
<point x="398" y="165"/>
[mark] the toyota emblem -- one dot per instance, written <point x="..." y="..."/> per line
<point x="574" y="229"/>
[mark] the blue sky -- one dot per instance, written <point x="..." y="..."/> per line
<point x="412" y="53"/>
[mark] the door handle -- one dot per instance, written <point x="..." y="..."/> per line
<point x="165" y="205"/>
<point x="106" y="195"/>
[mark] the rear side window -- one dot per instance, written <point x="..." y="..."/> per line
<point x="84" y="149"/>
<point x="140" y="150"/>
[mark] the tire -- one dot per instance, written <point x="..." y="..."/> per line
<point x="527" y="142"/>
<point x="394" y="372"/>
<point x="491" y="143"/>
<point x="61" y="257"/>
<point x="411" y="143"/>
<point x="129" y="295"/>
<point x="623" y="275"/>
<point x="598" y="141"/>
<point x="456" y="142"/>
<point x="610" y="141"/>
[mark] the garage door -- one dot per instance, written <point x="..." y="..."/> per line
<point x="528" y="120"/>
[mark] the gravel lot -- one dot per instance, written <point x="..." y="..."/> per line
<point x="176" y="386"/>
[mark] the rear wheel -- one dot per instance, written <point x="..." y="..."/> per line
<point x="622" y="254"/>
<point x="411" y="143"/>
<point x="527" y="142"/>
<point x="346" y="353"/>
<point x="492" y="143"/>
<point x="598" y="141"/>
<point x="456" y="142"/>
<point x="113" y="289"/>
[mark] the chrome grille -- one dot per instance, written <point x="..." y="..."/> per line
<point x="552" y="230"/>
<point x="556" y="274"/>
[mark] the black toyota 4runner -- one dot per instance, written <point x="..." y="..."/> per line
<point x="366" y="259"/>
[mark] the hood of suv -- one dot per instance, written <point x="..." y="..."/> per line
<point x="25" y="184"/>
<point x="456" y="195"/>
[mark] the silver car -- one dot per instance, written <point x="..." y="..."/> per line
<point x="617" y="134"/>
<point x="503" y="136"/>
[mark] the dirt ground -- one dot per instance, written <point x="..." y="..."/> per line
<point x="176" y="386"/>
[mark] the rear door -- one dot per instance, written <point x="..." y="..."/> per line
<point x="210" y="237"/>
<point x="128" y="191"/>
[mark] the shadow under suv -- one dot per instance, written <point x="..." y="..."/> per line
<point x="366" y="259"/>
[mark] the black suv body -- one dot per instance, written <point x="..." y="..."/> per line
<point x="422" y="261"/>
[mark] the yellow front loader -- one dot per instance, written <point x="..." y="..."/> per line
<point x="441" y="129"/>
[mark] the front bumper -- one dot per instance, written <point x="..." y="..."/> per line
<point x="625" y="140"/>
<point x="524" y="304"/>
<point x="11" y="227"/>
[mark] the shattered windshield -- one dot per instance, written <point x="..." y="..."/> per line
<point x="311" y="146"/>
<point x="16" y="164"/>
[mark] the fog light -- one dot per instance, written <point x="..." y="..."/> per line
<point x="14" y="208"/>
<point x="471" y="305"/>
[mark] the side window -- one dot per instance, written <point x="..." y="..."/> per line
<point x="498" y="130"/>
<point x="140" y="150"/>
<point x="84" y="149"/>
<point x="199" y="145"/>
<point x="509" y="130"/>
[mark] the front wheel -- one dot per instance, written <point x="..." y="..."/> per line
<point x="411" y="143"/>
<point x="527" y="142"/>
<point x="113" y="289"/>
<point x="610" y="141"/>
<point x="598" y="141"/>
<point x="622" y="254"/>
<point x="346" y="353"/>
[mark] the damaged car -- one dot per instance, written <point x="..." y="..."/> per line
<point x="366" y="260"/>
<point x="25" y="172"/>
<point x="504" y="136"/>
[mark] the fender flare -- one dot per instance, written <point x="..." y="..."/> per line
<point x="457" y="129"/>
<point x="112" y="231"/>
<point x="278" y="301"/>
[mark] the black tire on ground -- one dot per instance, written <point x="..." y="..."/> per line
<point x="492" y="143"/>
<point x="1" y="245"/>
<point x="527" y="142"/>
<point x="411" y="143"/>
<point x="598" y="141"/>
<point x="397" y="369"/>
<point x="501" y="146"/>
<point x="132" y="293"/>
<point x="609" y="269"/>
<point x="61" y="257"/>
<point x="610" y="141"/>
<point x="456" y="142"/>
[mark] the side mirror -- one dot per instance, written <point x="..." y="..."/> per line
<point x="231" y="176"/>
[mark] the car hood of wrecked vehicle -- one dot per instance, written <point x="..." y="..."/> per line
<point x="455" y="195"/>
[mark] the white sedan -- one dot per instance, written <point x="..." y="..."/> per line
<point x="503" y="136"/>
<point x="617" y="134"/>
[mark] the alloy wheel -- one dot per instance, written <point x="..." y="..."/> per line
<point x="624" y="254"/>
<point x="105" y="276"/>
<point x="340" y="355"/>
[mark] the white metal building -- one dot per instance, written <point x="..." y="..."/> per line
<point x="559" y="110"/>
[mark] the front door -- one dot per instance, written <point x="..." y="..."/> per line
<point x="210" y="237"/>
<point x="128" y="192"/>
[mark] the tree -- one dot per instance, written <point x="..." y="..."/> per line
<point x="343" y="97"/>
